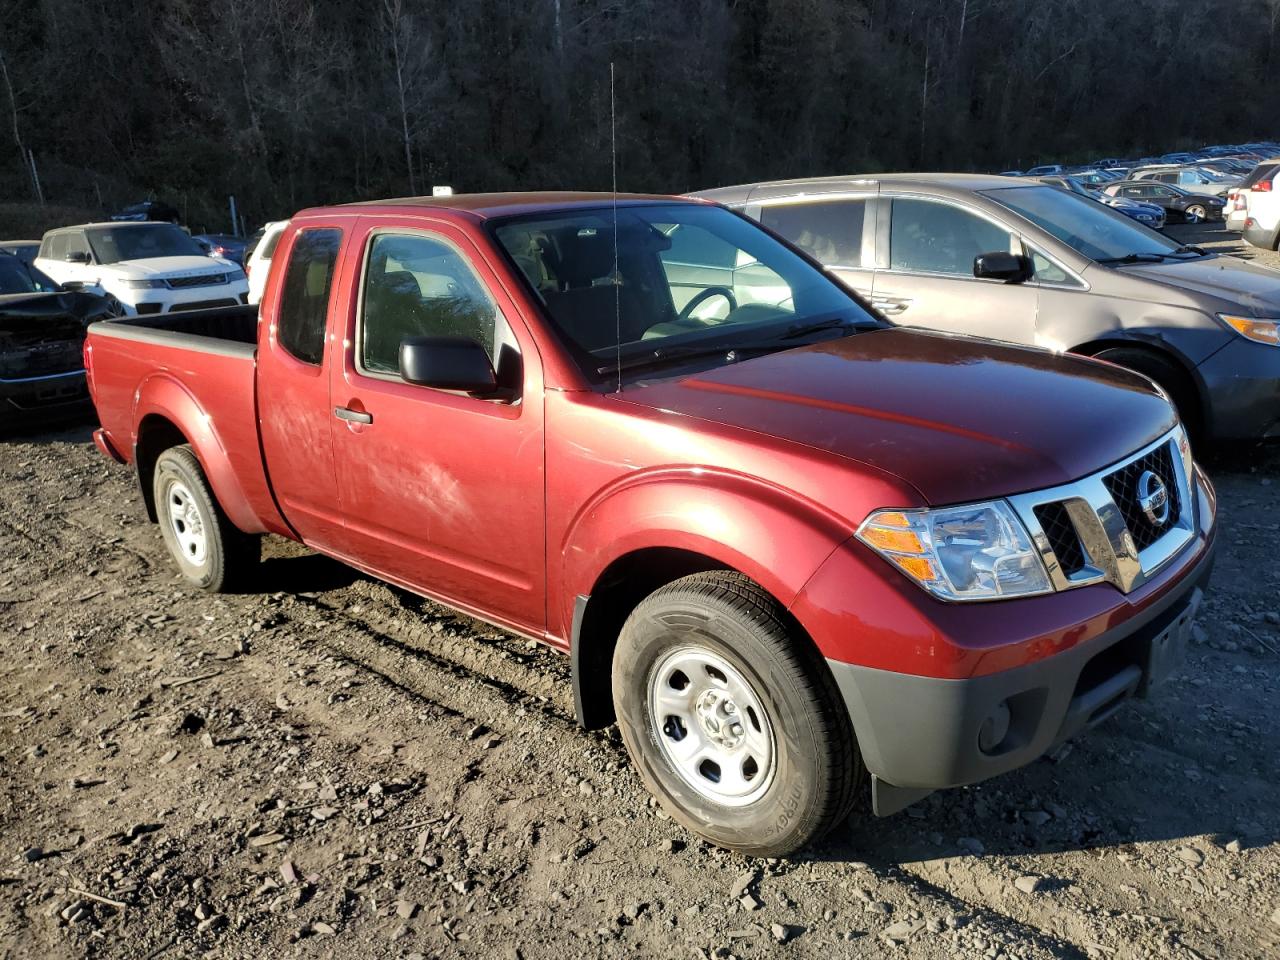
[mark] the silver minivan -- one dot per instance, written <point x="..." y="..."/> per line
<point x="1015" y="259"/>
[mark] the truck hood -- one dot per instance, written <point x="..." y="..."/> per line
<point x="960" y="419"/>
<point x="1236" y="282"/>
<point x="157" y="267"/>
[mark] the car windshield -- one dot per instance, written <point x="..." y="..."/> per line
<point x="1091" y="229"/>
<point x="681" y="280"/>
<point x="116" y="244"/>
<point x="17" y="277"/>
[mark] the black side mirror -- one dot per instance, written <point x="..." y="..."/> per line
<point x="72" y="286"/>
<point x="1005" y="267"/>
<point x="76" y="256"/>
<point x="447" y="363"/>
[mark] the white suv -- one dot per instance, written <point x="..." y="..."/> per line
<point x="1262" y="213"/>
<point x="257" y="256"/>
<point x="148" y="268"/>
<point x="1261" y="182"/>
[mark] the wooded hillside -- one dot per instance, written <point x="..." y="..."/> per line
<point x="285" y="103"/>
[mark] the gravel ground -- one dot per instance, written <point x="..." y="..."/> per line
<point x="329" y="767"/>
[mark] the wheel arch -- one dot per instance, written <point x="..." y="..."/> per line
<point x="168" y="415"/>
<point x="1189" y="384"/>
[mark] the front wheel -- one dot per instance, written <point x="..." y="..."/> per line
<point x="1194" y="213"/>
<point x="210" y="551"/>
<point x="732" y="718"/>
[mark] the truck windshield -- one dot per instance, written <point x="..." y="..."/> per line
<point x="141" y="242"/>
<point x="681" y="280"/>
<point x="1089" y="228"/>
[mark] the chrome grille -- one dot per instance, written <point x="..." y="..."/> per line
<point x="208" y="280"/>
<point x="1094" y="530"/>
<point x="1123" y="487"/>
<point x="1062" y="536"/>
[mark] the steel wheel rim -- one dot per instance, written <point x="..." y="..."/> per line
<point x="711" y="726"/>
<point x="186" y="522"/>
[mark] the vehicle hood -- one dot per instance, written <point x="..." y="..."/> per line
<point x="1239" y="283"/>
<point x="1125" y="203"/>
<point x="42" y="334"/>
<point x="167" y="267"/>
<point x="960" y="419"/>
<point x="81" y="307"/>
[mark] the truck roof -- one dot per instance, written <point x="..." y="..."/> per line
<point x="485" y="205"/>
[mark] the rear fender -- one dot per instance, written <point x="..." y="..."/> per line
<point x="163" y="396"/>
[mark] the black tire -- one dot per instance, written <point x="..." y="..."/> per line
<point x="1170" y="376"/>
<point x="228" y="554"/>
<point x="815" y="763"/>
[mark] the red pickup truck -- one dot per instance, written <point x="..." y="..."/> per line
<point x="798" y="553"/>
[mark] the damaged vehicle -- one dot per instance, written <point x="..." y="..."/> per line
<point x="42" y="330"/>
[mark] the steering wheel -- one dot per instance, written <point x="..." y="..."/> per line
<point x="704" y="296"/>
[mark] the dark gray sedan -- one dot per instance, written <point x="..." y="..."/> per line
<point x="1018" y="260"/>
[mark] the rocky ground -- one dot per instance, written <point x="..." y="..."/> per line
<point x="331" y="767"/>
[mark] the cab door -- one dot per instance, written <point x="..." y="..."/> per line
<point x="925" y="249"/>
<point x="295" y="415"/>
<point x="442" y="492"/>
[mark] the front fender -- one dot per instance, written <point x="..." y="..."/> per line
<point x="771" y="535"/>
<point x="161" y="394"/>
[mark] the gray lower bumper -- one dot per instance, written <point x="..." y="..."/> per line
<point x="920" y="734"/>
<point x="1242" y="385"/>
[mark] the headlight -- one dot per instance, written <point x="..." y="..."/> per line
<point x="976" y="552"/>
<point x="235" y="275"/>
<point x="1251" y="328"/>
<point x="143" y="284"/>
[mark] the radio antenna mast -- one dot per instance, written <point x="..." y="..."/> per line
<point x="617" y="278"/>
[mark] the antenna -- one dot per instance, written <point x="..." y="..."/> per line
<point x="617" y="277"/>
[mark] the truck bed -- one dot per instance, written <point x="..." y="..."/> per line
<point x="193" y="372"/>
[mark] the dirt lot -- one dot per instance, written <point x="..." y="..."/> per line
<point x="331" y="767"/>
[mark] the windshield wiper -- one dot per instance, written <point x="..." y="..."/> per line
<point x="1135" y="258"/>
<point x="663" y="355"/>
<point x="1198" y="251"/>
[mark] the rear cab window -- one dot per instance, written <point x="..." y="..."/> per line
<point x="304" y="297"/>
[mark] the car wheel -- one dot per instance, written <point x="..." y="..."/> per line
<point x="732" y="717"/>
<point x="1194" y="213"/>
<point x="1171" y="379"/>
<point x="210" y="551"/>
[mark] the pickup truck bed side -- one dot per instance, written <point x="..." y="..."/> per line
<point x="189" y="376"/>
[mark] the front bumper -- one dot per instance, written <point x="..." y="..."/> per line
<point x="32" y="400"/>
<point x="1029" y="674"/>
<point x="1242" y="388"/>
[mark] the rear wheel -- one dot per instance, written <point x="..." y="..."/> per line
<point x="733" y="719"/>
<point x="210" y="551"/>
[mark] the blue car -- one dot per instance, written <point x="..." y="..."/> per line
<point x="1148" y="214"/>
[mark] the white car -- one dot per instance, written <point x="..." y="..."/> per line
<point x="1262" y="211"/>
<point x="148" y="268"/>
<point x="1261" y="181"/>
<point x="257" y="258"/>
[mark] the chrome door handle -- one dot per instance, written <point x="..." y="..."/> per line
<point x="890" y="305"/>
<point x="352" y="416"/>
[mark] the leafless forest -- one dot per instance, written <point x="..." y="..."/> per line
<point x="285" y="103"/>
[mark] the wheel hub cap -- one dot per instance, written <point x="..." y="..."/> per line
<point x="186" y="523"/>
<point x="711" y="725"/>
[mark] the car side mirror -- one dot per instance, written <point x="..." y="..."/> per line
<point x="1005" y="267"/>
<point x="447" y="363"/>
<point x="76" y="256"/>
<point x="72" y="286"/>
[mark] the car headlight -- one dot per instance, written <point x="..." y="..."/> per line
<point x="142" y="284"/>
<point x="234" y="275"/>
<point x="976" y="552"/>
<point x="1251" y="328"/>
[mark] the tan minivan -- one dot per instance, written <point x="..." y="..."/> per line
<point x="1015" y="259"/>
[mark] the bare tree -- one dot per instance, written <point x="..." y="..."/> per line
<point x="410" y="47"/>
